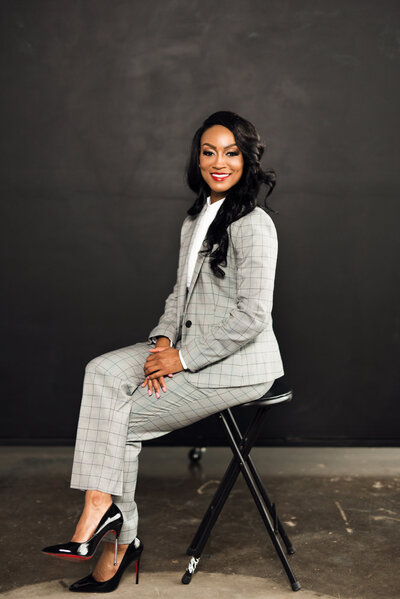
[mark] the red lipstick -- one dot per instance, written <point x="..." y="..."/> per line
<point x="220" y="176"/>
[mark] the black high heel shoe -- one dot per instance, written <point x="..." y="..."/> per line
<point x="111" y="522"/>
<point x="90" y="585"/>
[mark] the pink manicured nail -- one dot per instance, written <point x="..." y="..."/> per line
<point x="164" y="389"/>
<point x="157" y="395"/>
<point x="149" y="392"/>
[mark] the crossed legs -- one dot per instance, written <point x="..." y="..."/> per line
<point x="116" y="415"/>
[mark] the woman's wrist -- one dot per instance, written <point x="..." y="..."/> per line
<point x="163" y="342"/>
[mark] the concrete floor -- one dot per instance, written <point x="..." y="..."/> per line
<point x="341" y="508"/>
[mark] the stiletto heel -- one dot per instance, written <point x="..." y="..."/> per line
<point x="137" y="570"/>
<point x="90" y="585"/>
<point x="115" y="550"/>
<point x="111" y="522"/>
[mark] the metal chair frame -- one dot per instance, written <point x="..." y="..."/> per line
<point x="241" y="461"/>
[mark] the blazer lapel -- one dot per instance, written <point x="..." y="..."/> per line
<point x="186" y="245"/>
<point x="186" y="242"/>
<point x="197" y="268"/>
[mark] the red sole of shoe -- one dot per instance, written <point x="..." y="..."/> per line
<point x="68" y="558"/>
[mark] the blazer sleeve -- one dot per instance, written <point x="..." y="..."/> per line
<point x="255" y="247"/>
<point x="167" y="324"/>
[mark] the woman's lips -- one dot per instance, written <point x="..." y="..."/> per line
<point x="220" y="176"/>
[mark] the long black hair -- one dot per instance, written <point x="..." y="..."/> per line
<point x="242" y="197"/>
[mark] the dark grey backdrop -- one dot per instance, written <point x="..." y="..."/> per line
<point x="100" y="100"/>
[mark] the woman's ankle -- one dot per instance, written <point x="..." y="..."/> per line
<point x="97" y="499"/>
<point x="108" y="547"/>
<point x="96" y="504"/>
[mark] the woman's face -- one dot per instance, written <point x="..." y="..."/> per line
<point x="221" y="161"/>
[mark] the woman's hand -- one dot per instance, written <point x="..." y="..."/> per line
<point x="156" y="384"/>
<point x="155" y="379"/>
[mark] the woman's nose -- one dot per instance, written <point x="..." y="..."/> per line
<point x="219" y="161"/>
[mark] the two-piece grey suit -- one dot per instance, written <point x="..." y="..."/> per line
<point x="224" y="330"/>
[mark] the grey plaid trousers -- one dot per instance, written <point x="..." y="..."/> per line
<point x="117" y="414"/>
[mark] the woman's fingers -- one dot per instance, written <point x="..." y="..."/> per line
<point x="162" y="383"/>
<point x="156" y="388"/>
<point x="156" y="384"/>
<point x="147" y="381"/>
<point x="159" y="383"/>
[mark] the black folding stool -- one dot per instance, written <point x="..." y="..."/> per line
<point x="241" y="446"/>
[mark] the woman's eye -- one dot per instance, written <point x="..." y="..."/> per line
<point x="231" y="153"/>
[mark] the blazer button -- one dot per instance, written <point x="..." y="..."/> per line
<point x="188" y="323"/>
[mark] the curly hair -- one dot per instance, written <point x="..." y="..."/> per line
<point x="242" y="197"/>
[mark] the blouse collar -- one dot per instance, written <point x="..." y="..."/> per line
<point x="214" y="203"/>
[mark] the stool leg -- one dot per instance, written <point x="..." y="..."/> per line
<point x="218" y="501"/>
<point x="210" y="517"/>
<point x="259" y="501"/>
<point x="288" y="544"/>
<point x="214" y="509"/>
<point x="222" y="493"/>
<point x="234" y="427"/>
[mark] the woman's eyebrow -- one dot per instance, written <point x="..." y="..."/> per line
<point x="207" y="144"/>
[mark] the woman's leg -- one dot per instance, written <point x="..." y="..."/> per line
<point x="117" y="414"/>
<point x="182" y="405"/>
<point x="102" y="464"/>
<point x="105" y="568"/>
<point x="150" y="417"/>
<point x="109" y="382"/>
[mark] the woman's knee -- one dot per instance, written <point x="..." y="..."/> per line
<point x="97" y="363"/>
<point x="126" y="361"/>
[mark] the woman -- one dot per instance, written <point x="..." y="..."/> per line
<point x="213" y="347"/>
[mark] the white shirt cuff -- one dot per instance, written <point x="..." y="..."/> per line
<point x="182" y="360"/>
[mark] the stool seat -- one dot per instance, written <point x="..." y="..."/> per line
<point x="278" y="393"/>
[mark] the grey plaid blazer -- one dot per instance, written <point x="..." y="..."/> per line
<point x="225" y="325"/>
